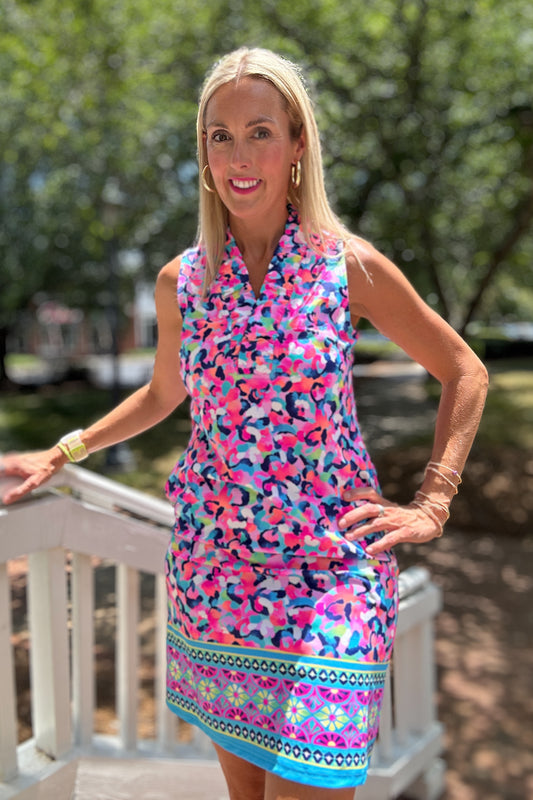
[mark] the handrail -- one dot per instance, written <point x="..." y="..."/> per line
<point x="108" y="493"/>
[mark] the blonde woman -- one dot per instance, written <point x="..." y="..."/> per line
<point x="282" y="580"/>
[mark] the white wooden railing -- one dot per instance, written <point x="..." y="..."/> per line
<point x="99" y="517"/>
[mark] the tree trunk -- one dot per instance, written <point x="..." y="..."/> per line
<point x="523" y="217"/>
<point x="3" y="353"/>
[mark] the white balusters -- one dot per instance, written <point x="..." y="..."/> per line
<point x="50" y="673"/>
<point x="165" y="719"/>
<point x="127" y="653"/>
<point x="88" y="524"/>
<point x="82" y="639"/>
<point x="8" y="720"/>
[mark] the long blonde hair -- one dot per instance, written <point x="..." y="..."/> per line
<point x="318" y="220"/>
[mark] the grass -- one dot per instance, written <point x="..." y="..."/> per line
<point x="22" y="360"/>
<point x="369" y="349"/>
<point x="508" y="417"/>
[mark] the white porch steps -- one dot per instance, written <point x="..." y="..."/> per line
<point x="105" y="779"/>
<point x="101" y="778"/>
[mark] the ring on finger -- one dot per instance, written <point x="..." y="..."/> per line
<point x="381" y="510"/>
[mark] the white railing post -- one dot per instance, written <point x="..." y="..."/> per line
<point x="165" y="719"/>
<point x="405" y="688"/>
<point x="50" y="675"/>
<point x="383" y="748"/>
<point x="83" y="674"/>
<point x="127" y="653"/>
<point x="8" y="718"/>
<point x="424" y="676"/>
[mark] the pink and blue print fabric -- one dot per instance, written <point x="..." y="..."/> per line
<point x="262" y="584"/>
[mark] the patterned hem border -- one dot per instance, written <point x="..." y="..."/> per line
<point x="334" y="754"/>
<point x="346" y="672"/>
<point x="285" y="761"/>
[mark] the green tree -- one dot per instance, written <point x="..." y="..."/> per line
<point x="425" y="109"/>
<point x="87" y="107"/>
<point x="428" y="115"/>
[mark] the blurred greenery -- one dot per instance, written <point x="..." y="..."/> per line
<point x="425" y="110"/>
<point x="507" y="419"/>
<point x="37" y="420"/>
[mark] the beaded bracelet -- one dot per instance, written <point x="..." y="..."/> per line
<point x="436" y="464"/>
<point x="445" y="466"/>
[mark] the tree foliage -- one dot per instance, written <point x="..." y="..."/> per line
<point x="425" y="110"/>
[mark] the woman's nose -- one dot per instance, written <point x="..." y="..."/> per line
<point x="240" y="154"/>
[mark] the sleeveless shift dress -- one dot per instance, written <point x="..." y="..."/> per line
<point x="279" y="629"/>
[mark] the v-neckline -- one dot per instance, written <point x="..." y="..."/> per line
<point x="244" y="273"/>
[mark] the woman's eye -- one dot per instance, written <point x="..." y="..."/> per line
<point x="220" y="136"/>
<point x="262" y="133"/>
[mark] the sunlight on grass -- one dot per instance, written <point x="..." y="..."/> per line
<point x="22" y="360"/>
<point x="508" y="416"/>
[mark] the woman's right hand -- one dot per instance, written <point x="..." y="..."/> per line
<point x="33" y="468"/>
<point x="138" y="412"/>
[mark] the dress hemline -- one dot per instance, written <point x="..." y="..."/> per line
<point x="280" y="765"/>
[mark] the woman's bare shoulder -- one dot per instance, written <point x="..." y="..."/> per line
<point x="166" y="289"/>
<point x="362" y="257"/>
<point x="170" y="272"/>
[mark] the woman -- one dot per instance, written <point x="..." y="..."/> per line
<point x="281" y="575"/>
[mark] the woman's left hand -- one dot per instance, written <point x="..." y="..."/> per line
<point x="400" y="523"/>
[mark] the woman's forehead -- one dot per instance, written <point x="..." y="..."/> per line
<point x="255" y="98"/>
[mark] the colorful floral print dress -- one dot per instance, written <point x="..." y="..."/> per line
<point x="279" y="630"/>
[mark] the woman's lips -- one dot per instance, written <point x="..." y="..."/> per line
<point x="244" y="185"/>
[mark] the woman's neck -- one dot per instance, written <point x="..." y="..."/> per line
<point x="257" y="239"/>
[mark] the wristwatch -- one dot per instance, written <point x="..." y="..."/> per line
<point x="72" y="446"/>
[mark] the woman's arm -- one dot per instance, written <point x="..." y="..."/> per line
<point x="386" y="298"/>
<point x="138" y="412"/>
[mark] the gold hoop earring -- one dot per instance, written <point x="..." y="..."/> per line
<point x="296" y="174"/>
<point x="204" y="180"/>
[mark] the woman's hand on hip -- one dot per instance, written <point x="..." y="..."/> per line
<point x="374" y="514"/>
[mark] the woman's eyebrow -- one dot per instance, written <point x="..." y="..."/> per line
<point x="258" y="121"/>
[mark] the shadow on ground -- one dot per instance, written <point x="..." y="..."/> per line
<point x="485" y="661"/>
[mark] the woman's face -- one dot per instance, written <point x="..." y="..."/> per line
<point x="249" y="147"/>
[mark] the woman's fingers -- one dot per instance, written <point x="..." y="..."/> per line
<point x="362" y="493"/>
<point x="388" y="541"/>
<point x="33" y="469"/>
<point x="375" y="514"/>
<point x="27" y="484"/>
<point x="18" y="491"/>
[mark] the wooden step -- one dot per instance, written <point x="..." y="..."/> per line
<point x="107" y="779"/>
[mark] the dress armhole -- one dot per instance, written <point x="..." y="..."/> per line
<point x="187" y="283"/>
